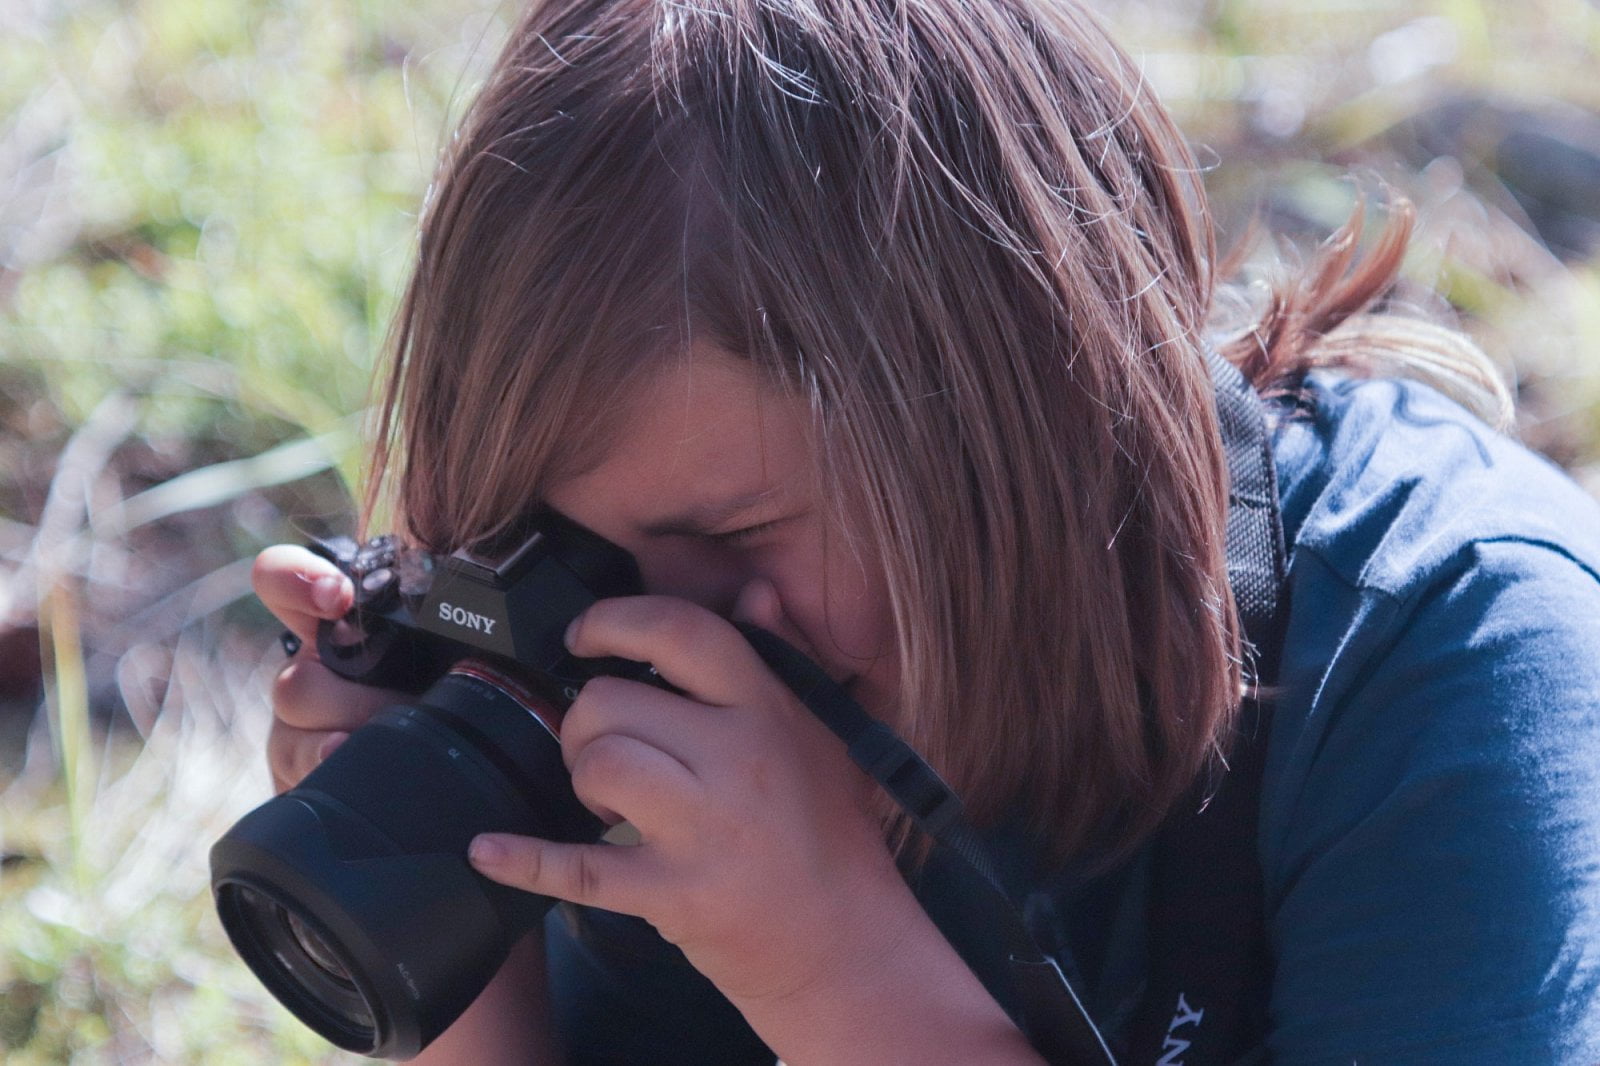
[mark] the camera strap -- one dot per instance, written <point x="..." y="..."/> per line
<point x="1205" y="997"/>
<point x="1047" y="1009"/>
<point x="1210" y="971"/>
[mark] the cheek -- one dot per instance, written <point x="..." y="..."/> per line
<point x="842" y="608"/>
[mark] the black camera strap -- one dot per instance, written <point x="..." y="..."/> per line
<point x="1206" y="992"/>
<point x="1209" y="973"/>
<point x="1047" y="1008"/>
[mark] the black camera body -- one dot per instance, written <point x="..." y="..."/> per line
<point x="416" y="613"/>
<point x="349" y="895"/>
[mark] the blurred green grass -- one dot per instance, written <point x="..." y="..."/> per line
<point x="205" y="213"/>
<point x="217" y="203"/>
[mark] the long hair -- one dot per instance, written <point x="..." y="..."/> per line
<point x="969" y="238"/>
<point x="1322" y="316"/>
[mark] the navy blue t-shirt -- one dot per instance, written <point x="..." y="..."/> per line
<point x="1430" y="809"/>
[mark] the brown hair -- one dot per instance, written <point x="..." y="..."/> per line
<point x="971" y="239"/>
<point x="1276" y="331"/>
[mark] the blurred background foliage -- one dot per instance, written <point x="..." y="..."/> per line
<point x="206" y="210"/>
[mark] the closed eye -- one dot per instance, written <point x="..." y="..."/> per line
<point x="745" y="533"/>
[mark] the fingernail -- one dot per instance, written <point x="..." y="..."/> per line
<point x="330" y="744"/>
<point x="572" y="632"/>
<point x="327" y="592"/>
<point x="487" y="850"/>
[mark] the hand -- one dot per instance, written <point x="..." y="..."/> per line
<point x="759" y="854"/>
<point x="313" y="708"/>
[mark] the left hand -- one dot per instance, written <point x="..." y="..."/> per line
<point x="759" y="854"/>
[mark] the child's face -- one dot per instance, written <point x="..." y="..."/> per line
<point x="710" y="485"/>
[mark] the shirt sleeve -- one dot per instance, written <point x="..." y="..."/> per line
<point x="1433" y="878"/>
<point x="620" y="994"/>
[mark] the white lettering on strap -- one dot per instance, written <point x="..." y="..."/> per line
<point x="1173" y="1046"/>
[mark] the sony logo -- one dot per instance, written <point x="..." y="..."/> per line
<point x="466" y="619"/>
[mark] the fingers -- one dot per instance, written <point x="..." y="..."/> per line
<point x="314" y="710"/>
<point x="635" y="751"/>
<point x="593" y="875"/>
<point x="621" y="778"/>
<point x="307" y="695"/>
<point x="700" y="653"/>
<point x="613" y="706"/>
<point x="300" y="588"/>
<point x="293" y="753"/>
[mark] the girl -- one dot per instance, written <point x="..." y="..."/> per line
<point x="881" y="324"/>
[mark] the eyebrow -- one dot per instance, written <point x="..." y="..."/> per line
<point x="707" y="517"/>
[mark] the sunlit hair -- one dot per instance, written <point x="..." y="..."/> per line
<point x="1277" y="331"/>
<point x="966" y="234"/>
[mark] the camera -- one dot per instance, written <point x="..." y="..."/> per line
<point x="349" y="895"/>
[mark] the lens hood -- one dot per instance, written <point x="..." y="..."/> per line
<point x="350" y="896"/>
<point x="415" y="936"/>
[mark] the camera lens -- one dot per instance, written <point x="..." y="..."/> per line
<point x="300" y="966"/>
<point x="315" y="948"/>
<point x="351" y="898"/>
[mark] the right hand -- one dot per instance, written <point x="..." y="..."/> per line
<point x="313" y="709"/>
